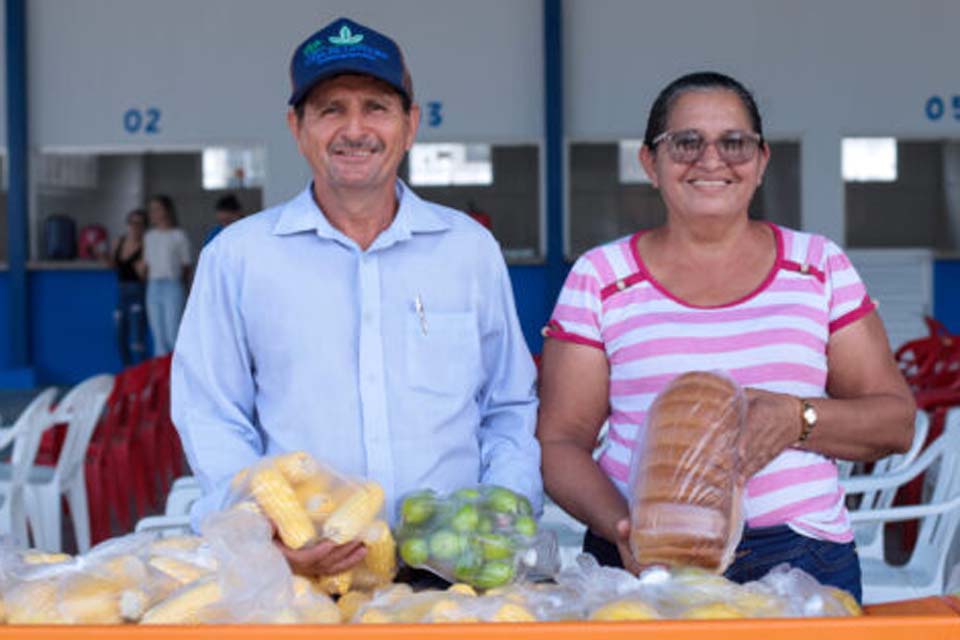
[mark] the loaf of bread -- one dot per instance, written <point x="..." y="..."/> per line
<point x="685" y="507"/>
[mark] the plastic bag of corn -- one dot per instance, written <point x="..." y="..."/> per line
<point x="111" y="584"/>
<point x="308" y="502"/>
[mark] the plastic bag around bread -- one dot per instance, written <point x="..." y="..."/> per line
<point x="684" y="488"/>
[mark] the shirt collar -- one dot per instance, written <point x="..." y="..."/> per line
<point x="413" y="216"/>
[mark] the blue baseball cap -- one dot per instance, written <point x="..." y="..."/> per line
<point x="343" y="46"/>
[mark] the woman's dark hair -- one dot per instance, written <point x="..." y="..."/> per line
<point x="699" y="81"/>
<point x="167" y="203"/>
<point x="139" y="213"/>
<point x="228" y="202"/>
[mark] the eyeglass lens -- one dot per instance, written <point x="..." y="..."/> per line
<point x="734" y="147"/>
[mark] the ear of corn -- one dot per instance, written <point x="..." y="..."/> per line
<point x="381" y="558"/>
<point x="276" y="497"/>
<point x="463" y="589"/>
<point x="33" y="602"/>
<point x="350" y="602"/>
<point x="40" y="557"/>
<point x="180" y="570"/>
<point x="317" y="498"/>
<point x="89" y="599"/>
<point x="185" y="605"/>
<point x="355" y="514"/>
<point x="335" y="585"/>
<point x="297" y="467"/>
<point x="511" y="612"/>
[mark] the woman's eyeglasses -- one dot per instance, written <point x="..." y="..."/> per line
<point x="689" y="145"/>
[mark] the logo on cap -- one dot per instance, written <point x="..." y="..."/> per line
<point x="346" y="37"/>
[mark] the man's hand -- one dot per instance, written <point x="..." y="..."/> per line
<point x="773" y="424"/>
<point x="324" y="558"/>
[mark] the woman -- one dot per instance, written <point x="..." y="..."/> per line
<point x="167" y="256"/>
<point x="126" y="258"/>
<point x="784" y="313"/>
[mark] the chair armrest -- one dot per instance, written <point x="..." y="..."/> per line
<point x="899" y="514"/>
<point x="164" y="524"/>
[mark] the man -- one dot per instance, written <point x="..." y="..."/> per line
<point x="227" y="211"/>
<point x="356" y="321"/>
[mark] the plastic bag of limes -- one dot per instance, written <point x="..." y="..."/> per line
<point x="485" y="536"/>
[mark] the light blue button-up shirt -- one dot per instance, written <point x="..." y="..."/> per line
<point x="403" y="363"/>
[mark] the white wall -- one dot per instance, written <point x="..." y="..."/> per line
<point x="218" y="70"/>
<point x="821" y="70"/>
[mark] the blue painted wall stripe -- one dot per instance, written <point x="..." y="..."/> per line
<point x="556" y="266"/>
<point x="17" y="198"/>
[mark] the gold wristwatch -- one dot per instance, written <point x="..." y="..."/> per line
<point x="808" y="416"/>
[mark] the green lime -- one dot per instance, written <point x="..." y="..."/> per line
<point x="485" y="526"/>
<point x="494" y="574"/>
<point x="496" y="546"/>
<point x="467" y="564"/>
<point x="417" y="508"/>
<point x="466" y="495"/>
<point x="524" y="508"/>
<point x="525" y="526"/>
<point x="445" y="545"/>
<point x="414" y="551"/>
<point x="502" y="500"/>
<point x="467" y="518"/>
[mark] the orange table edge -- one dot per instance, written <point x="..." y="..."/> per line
<point x="936" y="618"/>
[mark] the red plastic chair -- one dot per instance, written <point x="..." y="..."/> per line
<point x="96" y="466"/>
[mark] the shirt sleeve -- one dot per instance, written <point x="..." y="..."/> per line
<point x="185" y="257"/>
<point x="212" y="386"/>
<point x="848" y="300"/>
<point x="576" y="317"/>
<point x="509" y="451"/>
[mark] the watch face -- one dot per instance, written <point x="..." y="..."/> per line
<point x="809" y="415"/>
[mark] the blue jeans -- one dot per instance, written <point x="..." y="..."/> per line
<point x="165" y="299"/>
<point x="131" y="320"/>
<point x="831" y="563"/>
<point x="762" y="549"/>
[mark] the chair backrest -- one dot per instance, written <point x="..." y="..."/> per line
<point x="80" y="409"/>
<point x="29" y="428"/>
<point x="938" y="531"/>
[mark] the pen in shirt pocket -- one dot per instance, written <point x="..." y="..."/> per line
<point x="421" y="313"/>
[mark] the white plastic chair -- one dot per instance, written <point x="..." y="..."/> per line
<point x="869" y="537"/>
<point x="25" y="435"/>
<point x="924" y="574"/>
<point x="568" y="530"/>
<point x="176" y="518"/>
<point x="80" y="408"/>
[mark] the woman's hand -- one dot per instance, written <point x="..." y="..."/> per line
<point x="773" y="424"/>
<point x="325" y="558"/>
<point x="623" y="546"/>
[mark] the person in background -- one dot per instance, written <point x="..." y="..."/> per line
<point x="126" y="258"/>
<point x="782" y="312"/>
<point x="357" y="322"/>
<point x="227" y="211"/>
<point x="166" y="254"/>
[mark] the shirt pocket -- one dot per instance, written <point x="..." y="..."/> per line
<point x="443" y="353"/>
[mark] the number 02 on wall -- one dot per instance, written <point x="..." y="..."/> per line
<point x="146" y="121"/>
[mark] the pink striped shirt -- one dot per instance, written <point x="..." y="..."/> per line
<point x="775" y="338"/>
